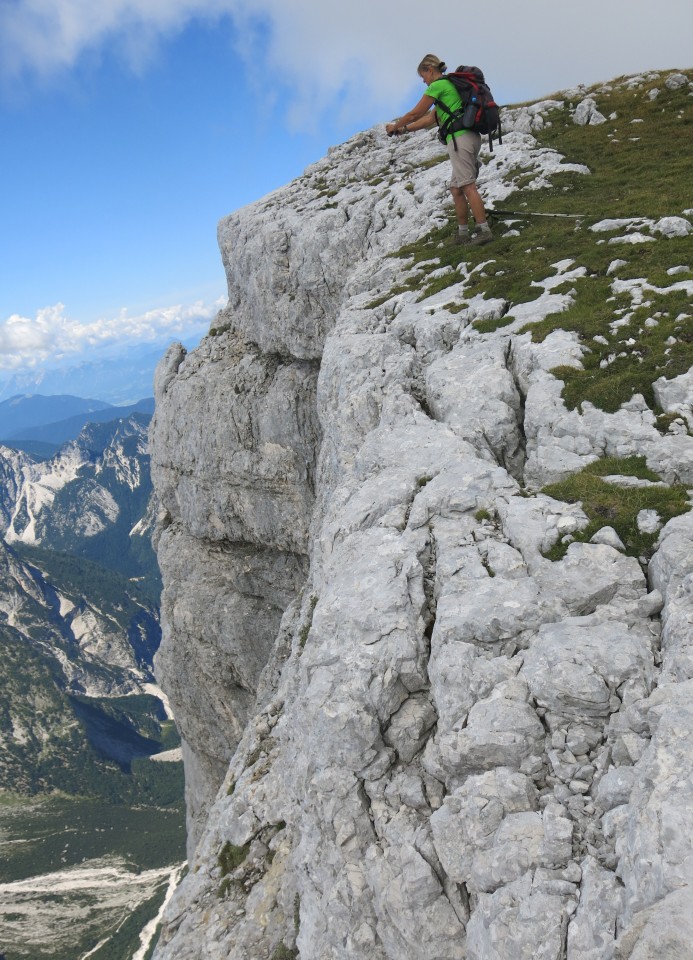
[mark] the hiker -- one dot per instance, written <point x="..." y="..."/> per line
<point x="463" y="148"/>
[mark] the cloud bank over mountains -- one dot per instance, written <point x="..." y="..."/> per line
<point x="29" y="342"/>
<point x="348" y="56"/>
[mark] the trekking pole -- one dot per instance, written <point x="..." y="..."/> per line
<point x="527" y="213"/>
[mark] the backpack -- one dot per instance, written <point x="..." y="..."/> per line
<point x="479" y="112"/>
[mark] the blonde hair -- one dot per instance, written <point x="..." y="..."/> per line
<point x="431" y="61"/>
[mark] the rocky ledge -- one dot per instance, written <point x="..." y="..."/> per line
<point x="431" y="710"/>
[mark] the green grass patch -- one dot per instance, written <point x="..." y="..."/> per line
<point x="218" y="331"/>
<point x="633" y="356"/>
<point x="454" y="307"/>
<point x="305" y="628"/>
<point x="620" y="151"/>
<point x="521" y="263"/>
<point x="490" y="326"/>
<point x="433" y="252"/>
<point x="285" y="953"/>
<point x="434" y="161"/>
<point x="637" y="169"/>
<point x="407" y="287"/>
<point x="621" y="466"/>
<point x="230" y="857"/>
<point x="606" y="504"/>
<point x="665" y="420"/>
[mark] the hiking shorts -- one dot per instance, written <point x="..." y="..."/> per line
<point x="464" y="159"/>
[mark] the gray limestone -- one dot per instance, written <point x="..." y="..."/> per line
<point x="676" y="80"/>
<point x="586" y="112"/>
<point x="423" y="739"/>
<point x="676" y="395"/>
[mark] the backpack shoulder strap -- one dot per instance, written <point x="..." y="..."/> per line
<point x="444" y="107"/>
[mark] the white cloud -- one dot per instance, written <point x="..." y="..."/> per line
<point x="29" y="342"/>
<point x="43" y="35"/>
<point x="360" y="57"/>
<point x="365" y="53"/>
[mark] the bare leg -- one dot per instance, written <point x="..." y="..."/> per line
<point x="476" y="204"/>
<point x="461" y="206"/>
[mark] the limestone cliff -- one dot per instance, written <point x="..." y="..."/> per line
<point x="431" y="709"/>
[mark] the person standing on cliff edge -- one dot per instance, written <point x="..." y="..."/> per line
<point x="463" y="153"/>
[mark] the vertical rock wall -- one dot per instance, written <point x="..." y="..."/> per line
<point x="234" y="444"/>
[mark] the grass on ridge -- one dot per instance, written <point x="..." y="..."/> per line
<point x="638" y="169"/>
<point x="609" y="505"/>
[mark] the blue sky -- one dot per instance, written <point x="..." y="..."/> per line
<point x="129" y="127"/>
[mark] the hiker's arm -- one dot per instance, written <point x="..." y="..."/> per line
<point x="414" y="117"/>
<point x="428" y="120"/>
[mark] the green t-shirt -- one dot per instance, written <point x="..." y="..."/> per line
<point x="444" y="90"/>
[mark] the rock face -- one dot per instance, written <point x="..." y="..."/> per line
<point x="408" y="733"/>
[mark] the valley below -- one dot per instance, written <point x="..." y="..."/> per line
<point x="80" y="878"/>
<point x="92" y="822"/>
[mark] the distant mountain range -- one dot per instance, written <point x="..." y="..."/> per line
<point x="25" y="411"/>
<point x="120" y="377"/>
<point x="88" y="500"/>
<point x="40" y="425"/>
<point x="79" y="612"/>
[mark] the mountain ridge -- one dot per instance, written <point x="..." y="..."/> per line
<point x="45" y="438"/>
<point x="66" y="523"/>
<point x="430" y="506"/>
<point x="120" y="376"/>
<point x="28" y="410"/>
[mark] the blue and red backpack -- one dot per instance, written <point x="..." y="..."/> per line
<point x="479" y="111"/>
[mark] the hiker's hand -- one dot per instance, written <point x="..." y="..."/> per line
<point x="393" y="130"/>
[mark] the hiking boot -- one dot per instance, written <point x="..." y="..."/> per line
<point x="462" y="239"/>
<point x="481" y="237"/>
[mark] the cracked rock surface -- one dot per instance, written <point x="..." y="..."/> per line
<point x="420" y="738"/>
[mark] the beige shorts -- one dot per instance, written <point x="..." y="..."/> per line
<point x="464" y="159"/>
